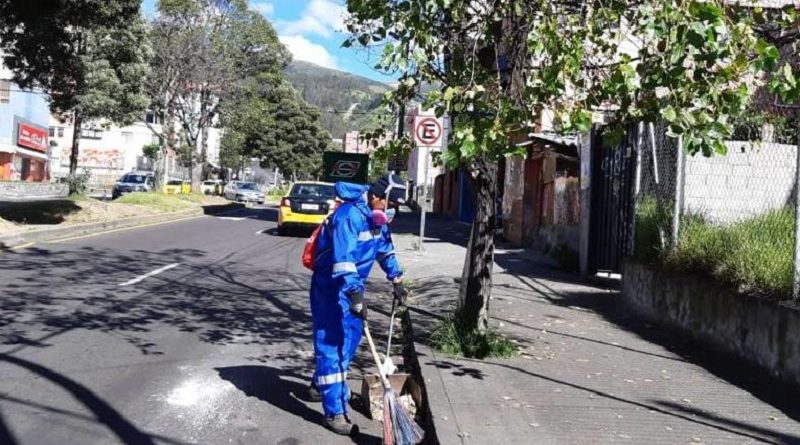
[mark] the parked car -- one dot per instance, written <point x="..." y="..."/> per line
<point x="212" y="187"/>
<point x="306" y="205"/>
<point x="242" y="191"/>
<point x="177" y="187"/>
<point x="133" y="182"/>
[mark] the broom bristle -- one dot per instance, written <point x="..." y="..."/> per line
<point x="388" y="434"/>
<point x="406" y="430"/>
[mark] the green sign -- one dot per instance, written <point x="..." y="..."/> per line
<point x="347" y="167"/>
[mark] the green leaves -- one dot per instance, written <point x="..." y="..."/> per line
<point x="693" y="63"/>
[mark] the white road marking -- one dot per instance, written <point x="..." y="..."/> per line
<point x="261" y="232"/>
<point x="232" y="218"/>
<point x="141" y="278"/>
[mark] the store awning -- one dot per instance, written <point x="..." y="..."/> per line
<point x="31" y="153"/>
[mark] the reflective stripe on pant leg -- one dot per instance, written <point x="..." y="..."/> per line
<point x="329" y="341"/>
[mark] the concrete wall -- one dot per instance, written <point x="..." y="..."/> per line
<point x="762" y="332"/>
<point x="749" y="181"/>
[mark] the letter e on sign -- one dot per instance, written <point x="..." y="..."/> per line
<point x="428" y="131"/>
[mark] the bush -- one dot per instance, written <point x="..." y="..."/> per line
<point x="451" y="337"/>
<point x="755" y="255"/>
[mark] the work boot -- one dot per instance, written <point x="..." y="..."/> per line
<point x="313" y="395"/>
<point x="340" y="425"/>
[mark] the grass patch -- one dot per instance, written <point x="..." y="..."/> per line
<point x="652" y="229"/>
<point x="451" y="337"/>
<point x="160" y="201"/>
<point x="755" y="255"/>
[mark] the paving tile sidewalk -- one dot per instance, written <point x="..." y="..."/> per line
<point x="588" y="372"/>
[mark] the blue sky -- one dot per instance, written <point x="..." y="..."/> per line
<point x="313" y="31"/>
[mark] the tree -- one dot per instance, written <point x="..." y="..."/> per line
<point x="501" y="64"/>
<point x="267" y="119"/>
<point x="210" y="46"/>
<point x="88" y="55"/>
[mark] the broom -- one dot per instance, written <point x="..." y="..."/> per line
<point x="399" y="427"/>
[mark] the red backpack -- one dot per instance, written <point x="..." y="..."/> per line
<point x="310" y="250"/>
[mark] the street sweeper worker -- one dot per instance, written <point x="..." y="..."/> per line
<point x="352" y="239"/>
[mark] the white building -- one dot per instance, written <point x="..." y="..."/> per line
<point x="108" y="153"/>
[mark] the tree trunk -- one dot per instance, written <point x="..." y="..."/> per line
<point x="204" y="155"/>
<point x="73" y="155"/>
<point x="170" y="142"/>
<point x="476" y="278"/>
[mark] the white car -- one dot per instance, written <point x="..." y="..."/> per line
<point x="242" y="191"/>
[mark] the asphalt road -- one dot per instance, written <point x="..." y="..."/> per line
<point x="189" y="332"/>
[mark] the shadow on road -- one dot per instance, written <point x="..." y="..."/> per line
<point x="103" y="412"/>
<point x="279" y="388"/>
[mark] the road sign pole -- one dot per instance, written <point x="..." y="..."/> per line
<point x="424" y="203"/>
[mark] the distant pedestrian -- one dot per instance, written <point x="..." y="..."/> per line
<point x="356" y="236"/>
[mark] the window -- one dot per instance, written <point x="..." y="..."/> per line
<point x="52" y="132"/>
<point x="61" y="132"/>
<point x="5" y="91"/>
<point x="152" y="118"/>
<point x="127" y="137"/>
<point x="91" y="133"/>
<point x="316" y="190"/>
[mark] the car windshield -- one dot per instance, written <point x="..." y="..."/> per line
<point x="209" y="183"/>
<point x="134" y="179"/>
<point x="313" y="190"/>
<point x="246" y="186"/>
<point x="175" y="182"/>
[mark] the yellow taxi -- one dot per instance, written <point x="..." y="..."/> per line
<point x="177" y="187"/>
<point x="306" y="205"/>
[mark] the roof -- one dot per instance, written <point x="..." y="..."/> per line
<point x="567" y="140"/>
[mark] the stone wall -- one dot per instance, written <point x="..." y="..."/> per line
<point x="29" y="191"/>
<point x="760" y="331"/>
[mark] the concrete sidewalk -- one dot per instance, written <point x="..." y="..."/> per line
<point x="588" y="373"/>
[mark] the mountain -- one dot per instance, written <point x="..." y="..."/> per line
<point x="346" y="101"/>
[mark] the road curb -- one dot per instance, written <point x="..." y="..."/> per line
<point x="430" y="384"/>
<point x="55" y="233"/>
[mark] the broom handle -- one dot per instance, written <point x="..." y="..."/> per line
<point x="391" y="329"/>
<point x="375" y="356"/>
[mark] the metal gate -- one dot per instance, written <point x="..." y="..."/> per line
<point x="613" y="171"/>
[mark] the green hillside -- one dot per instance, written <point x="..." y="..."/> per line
<point x="346" y="101"/>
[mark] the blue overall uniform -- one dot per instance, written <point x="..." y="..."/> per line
<point x="346" y="249"/>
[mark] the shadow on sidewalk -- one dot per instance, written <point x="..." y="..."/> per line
<point x="438" y="297"/>
<point x="277" y="388"/>
<point x="664" y="407"/>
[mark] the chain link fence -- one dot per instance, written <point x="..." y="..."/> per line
<point x="729" y="216"/>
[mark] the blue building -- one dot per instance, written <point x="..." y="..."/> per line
<point x="24" y="119"/>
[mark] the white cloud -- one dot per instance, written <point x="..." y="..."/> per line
<point x="321" y="17"/>
<point x="266" y="9"/>
<point x="306" y="50"/>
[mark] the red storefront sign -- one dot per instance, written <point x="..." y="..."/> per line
<point x="32" y="137"/>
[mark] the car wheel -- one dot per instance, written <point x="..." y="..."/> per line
<point x="281" y="230"/>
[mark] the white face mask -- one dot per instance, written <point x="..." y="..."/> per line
<point x="390" y="214"/>
<point x="383" y="217"/>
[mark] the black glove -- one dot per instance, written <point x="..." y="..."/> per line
<point x="400" y="293"/>
<point x="357" y="305"/>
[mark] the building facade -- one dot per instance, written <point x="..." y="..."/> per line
<point x="107" y="151"/>
<point x="24" y="142"/>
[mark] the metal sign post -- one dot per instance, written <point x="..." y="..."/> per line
<point x="424" y="205"/>
<point x="428" y="132"/>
